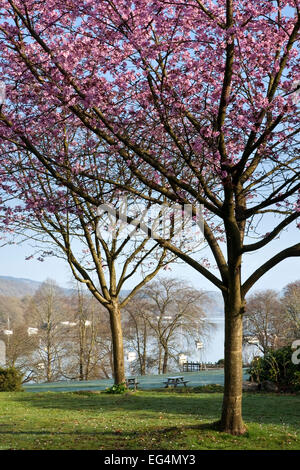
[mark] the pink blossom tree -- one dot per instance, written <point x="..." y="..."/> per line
<point x="103" y="254"/>
<point x="198" y="98"/>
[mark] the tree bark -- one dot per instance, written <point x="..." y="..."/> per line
<point x="81" y="352"/>
<point x="49" y="368"/>
<point x="159" y="360"/>
<point x="231" y="420"/>
<point x="144" y="361"/>
<point x="49" y="358"/>
<point x="117" y="342"/>
<point x="165" y="362"/>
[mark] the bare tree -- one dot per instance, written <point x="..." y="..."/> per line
<point x="98" y="253"/>
<point x="89" y="341"/>
<point x="46" y="313"/>
<point x="20" y="347"/>
<point x="15" y="333"/>
<point x="176" y="312"/>
<point x="291" y="307"/>
<point x="265" y="321"/>
<point x="139" y="335"/>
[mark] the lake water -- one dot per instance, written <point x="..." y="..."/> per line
<point x="213" y="349"/>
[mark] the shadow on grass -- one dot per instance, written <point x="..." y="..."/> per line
<point x="162" y="438"/>
<point x="267" y="409"/>
<point x="180" y="404"/>
<point x="162" y="430"/>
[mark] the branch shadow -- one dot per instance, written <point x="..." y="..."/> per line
<point x="266" y="409"/>
<point x="176" y="403"/>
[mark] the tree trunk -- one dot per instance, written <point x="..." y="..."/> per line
<point x="81" y="351"/>
<point x="49" y="368"/>
<point x="144" y="361"/>
<point x="159" y="359"/>
<point x="81" y="375"/>
<point x="165" y="363"/>
<point x="49" y="361"/>
<point x="231" y="420"/>
<point x="117" y="342"/>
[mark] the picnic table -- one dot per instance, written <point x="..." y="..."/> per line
<point x="174" y="381"/>
<point x="132" y="382"/>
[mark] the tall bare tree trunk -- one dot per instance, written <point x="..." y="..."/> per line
<point x="81" y="350"/>
<point x="165" y="362"/>
<point x="49" y="367"/>
<point x="49" y="355"/>
<point x="144" y="361"/>
<point x="159" y="359"/>
<point x="117" y="342"/>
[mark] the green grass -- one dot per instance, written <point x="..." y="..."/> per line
<point x="143" y="420"/>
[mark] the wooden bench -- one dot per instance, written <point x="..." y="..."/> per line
<point x="132" y="382"/>
<point x="174" y="381"/>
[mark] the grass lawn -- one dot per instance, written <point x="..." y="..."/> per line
<point x="163" y="420"/>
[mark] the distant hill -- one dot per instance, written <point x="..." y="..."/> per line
<point x="20" y="287"/>
<point x="15" y="293"/>
<point x="17" y="286"/>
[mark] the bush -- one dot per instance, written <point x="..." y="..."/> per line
<point x="277" y="366"/>
<point x="117" y="389"/>
<point x="210" y="388"/>
<point x="10" y="379"/>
